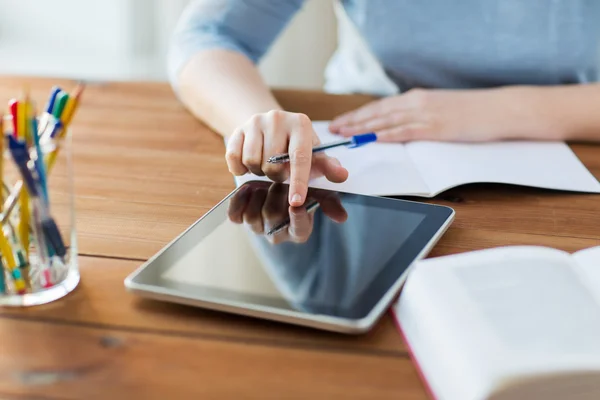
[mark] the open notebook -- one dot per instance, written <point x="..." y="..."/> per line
<point x="428" y="168"/>
<point x="517" y="322"/>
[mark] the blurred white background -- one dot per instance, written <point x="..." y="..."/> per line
<point x="127" y="40"/>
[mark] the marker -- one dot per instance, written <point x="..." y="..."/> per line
<point x="352" y="142"/>
<point x="59" y="104"/>
<point x="50" y="106"/>
<point x="45" y="117"/>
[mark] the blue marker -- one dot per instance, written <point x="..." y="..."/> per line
<point x="47" y="116"/>
<point x="352" y="142"/>
<point x="50" y="106"/>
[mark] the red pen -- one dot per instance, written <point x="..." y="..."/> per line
<point x="13" y="105"/>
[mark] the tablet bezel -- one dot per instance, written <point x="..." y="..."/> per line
<point x="143" y="281"/>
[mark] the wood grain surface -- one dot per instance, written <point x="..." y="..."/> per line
<point x="145" y="169"/>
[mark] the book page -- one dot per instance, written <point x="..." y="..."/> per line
<point x="534" y="300"/>
<point x="548" y="165"/>
<point x="374" y="169"/>
<point x="588" y="263"/>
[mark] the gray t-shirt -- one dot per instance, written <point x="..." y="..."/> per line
<point x="427" y="43"/>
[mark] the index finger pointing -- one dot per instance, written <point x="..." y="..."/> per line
<point x="300" y="150"/>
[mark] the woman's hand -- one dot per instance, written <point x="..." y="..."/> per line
<point x="264" y="206"/>
<point x="277" y="132"/>
<point x="446" y="115"/>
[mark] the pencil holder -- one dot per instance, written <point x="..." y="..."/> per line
<point x="38" y="242"/>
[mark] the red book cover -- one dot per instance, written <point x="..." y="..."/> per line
<point x="412" y="357"/>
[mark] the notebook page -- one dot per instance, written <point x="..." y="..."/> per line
<point x="588" y="263"/>
<point x="548" y="165"/>
<point x="374" y="169"/>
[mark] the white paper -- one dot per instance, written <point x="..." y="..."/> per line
<point x="548" y="165"/>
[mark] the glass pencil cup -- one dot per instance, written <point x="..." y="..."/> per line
<point x="38" y="242"/>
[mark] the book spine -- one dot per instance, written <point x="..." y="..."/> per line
<point x="414" y="360"/>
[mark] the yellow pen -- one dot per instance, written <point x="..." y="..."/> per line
<point x="9" y="259"/>
<point x="24" y="220"/>
<point x="71" y="106"/>
<point x="21" y="117"/>
<point x="68" y="111"/>
<point x="28" y="115"/>
<point x="24" y="213"/>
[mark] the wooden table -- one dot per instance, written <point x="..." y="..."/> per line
<point x="146" y="170"/>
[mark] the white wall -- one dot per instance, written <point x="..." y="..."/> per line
<point x="127" y="39"/>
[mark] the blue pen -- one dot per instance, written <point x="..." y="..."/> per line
<point x="18" y="150"/>
<point x="39" y="161"/>
<point x="352" y="142"/>
<point x="45" y="224"/>
<point x="50" y="106"/>
<point x="47" y="116"/>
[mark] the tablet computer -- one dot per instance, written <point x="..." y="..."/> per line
<point x="335" y="264"/>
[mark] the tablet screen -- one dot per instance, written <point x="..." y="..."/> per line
<point x="337" y="256"/>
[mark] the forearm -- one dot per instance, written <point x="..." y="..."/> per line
<point x="568" y="113"/>
<point x="224" y="89"/>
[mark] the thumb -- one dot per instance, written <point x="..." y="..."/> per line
<point x="331" y="168"/>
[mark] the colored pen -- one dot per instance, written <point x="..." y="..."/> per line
<point x="72" y="105"/>
<point x="9" y="258"/>
<point x="352" y="142"/>
<point x="59" y="105"/>
<point x="49" y="229"/>
<point x="45" y="117"/>
<point x="14" y="112"/>
<point x="52" y="99"/>
<point x="39" y="159"/>
<point x="280" y="227"/>
<point x="22" y="116"/>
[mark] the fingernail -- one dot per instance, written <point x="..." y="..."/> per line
<point x="296" y="198"/>
<point x="336" y="161"/>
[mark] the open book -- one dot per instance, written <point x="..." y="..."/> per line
<point x="517" y="322"/>
<point x="426" y="169"/>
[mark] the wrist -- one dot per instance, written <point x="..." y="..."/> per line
<point x="543" y="113"/>
<point x="530" y="114"/>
